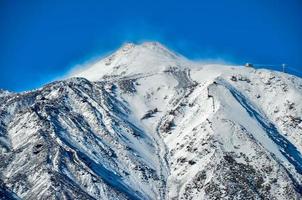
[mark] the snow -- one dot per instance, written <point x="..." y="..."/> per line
<point x="147" y="123"/>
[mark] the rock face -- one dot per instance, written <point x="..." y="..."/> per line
<point x="146" y="123"/>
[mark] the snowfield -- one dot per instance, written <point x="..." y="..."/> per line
<point x="147" y="123"/>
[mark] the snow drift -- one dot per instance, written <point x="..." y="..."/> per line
<point x="147" y="123"/>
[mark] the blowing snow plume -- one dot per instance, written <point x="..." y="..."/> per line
<point x="147" y="123"/>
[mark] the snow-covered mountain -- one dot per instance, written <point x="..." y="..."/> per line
<point x="147" y="123"/>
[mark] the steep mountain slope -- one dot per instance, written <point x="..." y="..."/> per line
<point x="146" y="123"/>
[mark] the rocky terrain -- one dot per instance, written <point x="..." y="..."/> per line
<point x="147" y="123"/>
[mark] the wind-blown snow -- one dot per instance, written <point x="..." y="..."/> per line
<point x="147" y="123"/>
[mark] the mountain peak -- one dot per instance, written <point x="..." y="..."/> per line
<point x="130" y="59"/>
<point x="128" y="45"/>
<point x="153" y="44"/>
<point x="145" y="123"/>
<point x="159" y="48"/>
<point x="150" y="46"/>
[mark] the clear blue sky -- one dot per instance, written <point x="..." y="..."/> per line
<point x="41" y="39"/>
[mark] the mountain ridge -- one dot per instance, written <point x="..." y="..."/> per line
<point x="144" y="123"/>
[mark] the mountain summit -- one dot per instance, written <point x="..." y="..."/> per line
<point x="147" y="123"/>
<point x="130" y="59"/>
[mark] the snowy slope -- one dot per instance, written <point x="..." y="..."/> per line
<point x="147" y="123"/>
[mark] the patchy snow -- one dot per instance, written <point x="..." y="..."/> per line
<point x="146" y="123"/>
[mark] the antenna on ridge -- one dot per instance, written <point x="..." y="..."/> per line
<point x="283" y="67"/>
